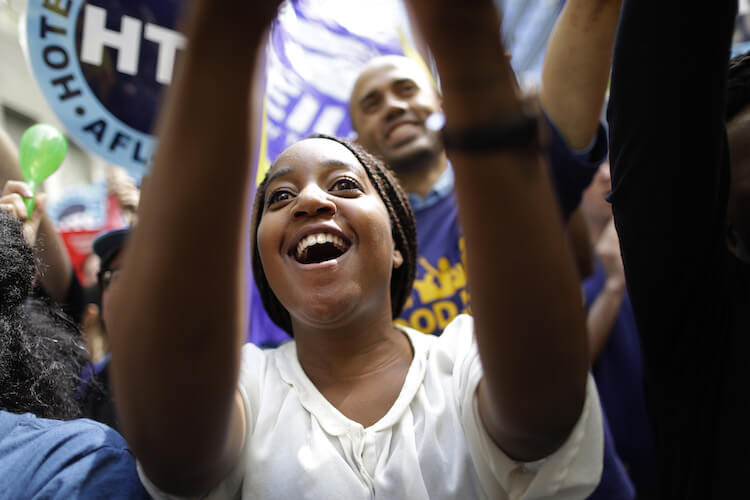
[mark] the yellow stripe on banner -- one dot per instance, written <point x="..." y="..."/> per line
<point x="263" y="162"/>
<point x="412" y="53"/>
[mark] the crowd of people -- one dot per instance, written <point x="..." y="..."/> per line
<point x="527" y="302"/>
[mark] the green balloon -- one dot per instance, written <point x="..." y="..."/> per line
<point x="41" y="152"/>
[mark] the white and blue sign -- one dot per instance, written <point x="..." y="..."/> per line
<point x="103" y="65"/>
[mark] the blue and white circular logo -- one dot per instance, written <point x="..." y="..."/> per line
<point x="103" y="65"/>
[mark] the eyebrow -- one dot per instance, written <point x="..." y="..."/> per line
<point x="330" y="164"/>
<point x="404" y="80"/>
<point x="394" y="83"/>
<point x="281" y="172"/>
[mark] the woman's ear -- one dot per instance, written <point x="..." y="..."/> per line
<point x="398" y="259"/>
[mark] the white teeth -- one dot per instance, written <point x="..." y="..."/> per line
<point x="319" y="239"/>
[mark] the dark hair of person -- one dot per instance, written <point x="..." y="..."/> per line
<point x="738" y="85"/>
<point x="403" y="229"/>
<point x="41" y="356"/>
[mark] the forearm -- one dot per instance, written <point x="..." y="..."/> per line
<point x="580" y="244"/>
<point x="530" y="329"/>
<point x="179" y="318"/>
<point x="603" y="314"/>
<point x="55" y="268"/>
<point x="576" y="67"/>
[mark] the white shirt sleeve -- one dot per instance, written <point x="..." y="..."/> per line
<point x="571" y="472"/>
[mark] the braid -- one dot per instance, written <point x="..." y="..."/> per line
<point x="271" y="303"/>
<point x="403" y="229"/>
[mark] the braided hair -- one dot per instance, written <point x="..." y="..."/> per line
<point x="403" y="229"/>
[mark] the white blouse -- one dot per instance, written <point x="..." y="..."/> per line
<point x="430" y="445"/>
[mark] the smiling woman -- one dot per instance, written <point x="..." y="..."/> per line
<point x="348" y="174"/>
<point x="354" y="407"/>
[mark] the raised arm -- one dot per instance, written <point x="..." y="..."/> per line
<point x="55" y="269"/>
<point x="176" y="355"/>
<point x="605" y="306"/>
<point x="670" y="166"/>
<point x="576" y="67"/>
<point x="525" y="294"/>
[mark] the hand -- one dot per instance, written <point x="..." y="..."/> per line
<point x="608" y="250"/>
<point x="123" y="187"/>
<point x="251" y="16"/>
<point x="484" y="83"/>
<point x="12" y="202"/>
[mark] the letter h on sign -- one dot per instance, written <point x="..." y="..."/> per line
<point x="128" y="43"/>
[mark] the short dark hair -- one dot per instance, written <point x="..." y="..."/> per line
<point x="738" y="85"/>
<point x="403" y="229"/>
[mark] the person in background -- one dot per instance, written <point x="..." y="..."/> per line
<point x="679" y="117"/>
<point x="389" y="106"/>
<point x="85" y="305"/>
<point x="55" y="270"/>
<point x="97" y="398"/>
<point x="44" y="453"/>
<point x="615" y="349"/>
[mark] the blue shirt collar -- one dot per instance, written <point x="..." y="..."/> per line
<point x="441" y="190"/>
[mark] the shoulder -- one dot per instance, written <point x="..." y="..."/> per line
<point x="83" y="434"/>
<point x="57" y="459"/>
<point x="453" y="356"/>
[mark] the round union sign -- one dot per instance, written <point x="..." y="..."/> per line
<point x="103" y="65"/>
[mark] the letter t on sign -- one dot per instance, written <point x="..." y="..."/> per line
<point x="96" y="36"/>
<point x="169" y="42"/>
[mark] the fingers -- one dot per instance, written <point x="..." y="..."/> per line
<point x="13" y="202"/>
<point x="31" y="226"/>
<point x="12" y="199"/>
<point x="14" y="205"/>
<point x="18" y="187"/>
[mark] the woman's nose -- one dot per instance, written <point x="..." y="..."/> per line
<point x="314" y="201"/>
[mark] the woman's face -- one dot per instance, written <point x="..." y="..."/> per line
<point x="325" y="237"/>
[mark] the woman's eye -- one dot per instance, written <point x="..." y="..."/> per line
<point x="279" y="196"/>
<point x="346" y="184"/>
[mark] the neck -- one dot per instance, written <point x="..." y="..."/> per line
<point x="352" y="352"/>
<point x="420" y="177"/>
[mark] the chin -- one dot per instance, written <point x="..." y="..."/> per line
<point x="410" y="159"/>
<point x="324" y="310"/>
<point x="413" y="151"/>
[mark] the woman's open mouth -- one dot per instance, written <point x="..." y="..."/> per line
<point x="319" y="247"/>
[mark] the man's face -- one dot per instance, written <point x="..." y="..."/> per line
<point x="392" y="98"/>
